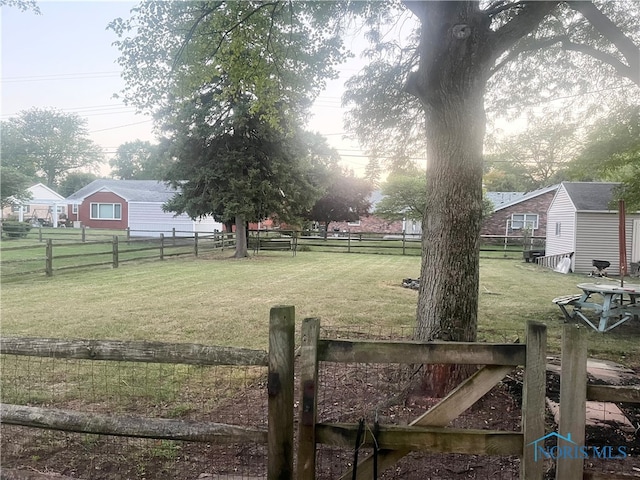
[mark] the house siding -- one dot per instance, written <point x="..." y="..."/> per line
<point x="597" y="239"/>
<point x="148" y="219"/>
<point x="84" y="211"/>
<point x="374" y="224"/>
<point x="496" y="223"/>
<point x="563" y="212"/>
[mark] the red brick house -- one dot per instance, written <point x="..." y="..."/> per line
<point x="529" y="210"/>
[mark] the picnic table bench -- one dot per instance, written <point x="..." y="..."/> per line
<point x="607" y="301"/>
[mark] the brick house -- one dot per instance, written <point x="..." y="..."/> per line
<point x="510" y="218"/>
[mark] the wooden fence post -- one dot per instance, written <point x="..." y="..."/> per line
<point x="128" y="234"/>
<point x="280" y="389"/>
<point x="533" y="400"/>
<point x="115" y="251"/>
<point x="173" y="236"/>
<point x="195" y="244"/>
<point x="309" y="399"/>
<point x="40" y="234"/>
<point x="404" y="242"/>
<point x="162" y="246"/>
<point x="48" y="266"/>
<point x="84" y="234"/>
<point x="349" y="241"/>
<point x="573" y="396"/>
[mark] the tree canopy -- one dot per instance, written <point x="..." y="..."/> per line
<point x="139" y="160"/>
<point x="13" y="186"/>
<point x="47" y="144"/>
<point x="345" y="199"/>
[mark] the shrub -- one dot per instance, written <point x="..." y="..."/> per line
<point x="14" y="229"/>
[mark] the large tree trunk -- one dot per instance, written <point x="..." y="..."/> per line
<point x="241" y="237"/>
<point x="451" y="83"/>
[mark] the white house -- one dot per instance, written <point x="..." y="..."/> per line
<point x="41" y="206"/>
<point x="582" y="220"/>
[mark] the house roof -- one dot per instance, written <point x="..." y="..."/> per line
<point x="150" y="191"/>
<point x="590" y="196"/>
<point x="41" y="195"/>
<point x="527" y="196"/>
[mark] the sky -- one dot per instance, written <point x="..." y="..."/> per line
<point x="64" y="59"/>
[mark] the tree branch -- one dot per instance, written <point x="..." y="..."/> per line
<point x="500" y="7"/>
<point x="632" y="73"/>
<point x="611" y="32"/>
<point x="527" y="19"/>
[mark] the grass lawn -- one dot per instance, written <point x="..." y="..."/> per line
<point x="217" y="300"/>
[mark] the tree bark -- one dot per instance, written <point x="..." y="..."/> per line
<point x="241" y="238"/>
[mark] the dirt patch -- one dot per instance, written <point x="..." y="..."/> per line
<point x="347" y="394"/>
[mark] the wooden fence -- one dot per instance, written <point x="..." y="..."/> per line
<point x="574" y="392"/>
<point x="112" y="253"/>
<point x="426" y="433"/>
<point x="279" y="360"/>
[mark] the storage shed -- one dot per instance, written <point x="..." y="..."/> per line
<point x="581" y="219"/>
<point x="133" y="204"/>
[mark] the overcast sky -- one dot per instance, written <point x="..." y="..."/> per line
<point x="64" y="59"/>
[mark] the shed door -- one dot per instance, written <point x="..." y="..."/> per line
<point x="635" y="242"/>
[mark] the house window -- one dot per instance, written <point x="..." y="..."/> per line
<point x="74" y="208"/>
<point x="558" y="229"/>
<point x="16" y="208"/>
<point x="106" y="211"/>
<point x="354" y="224"/>
<point x="522" y="220"/>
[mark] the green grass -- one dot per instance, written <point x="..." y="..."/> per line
<point x="217" y="300"/>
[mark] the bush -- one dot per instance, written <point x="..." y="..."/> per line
<point x="14" y="229"/>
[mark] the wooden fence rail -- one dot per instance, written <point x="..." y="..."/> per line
<point x="115" y="251"/>
<point x="279" y="360"/>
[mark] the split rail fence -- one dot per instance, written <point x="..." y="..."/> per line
<point x="279" y="361"/>
<point x="57" y="256"/>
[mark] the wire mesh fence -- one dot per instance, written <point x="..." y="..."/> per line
<point x="391" y="394"/>
<point x="221" y="394"/>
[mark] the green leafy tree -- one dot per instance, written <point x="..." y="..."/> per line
<point x="47" y="144"/>
<point x="13" y="186"/>
<point x="139" y="160"/>
<point x="74" y="181"/>
<point x="404" y="196"/>
<point x="346" y="199"/>
<point x="231" y="78"/>
<point x="612" y="153"/>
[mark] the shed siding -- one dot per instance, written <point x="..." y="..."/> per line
<point x="561" y="212"/>
<point x="597" y="239"/>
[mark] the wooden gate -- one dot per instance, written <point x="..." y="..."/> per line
<point x="427" y="432"/>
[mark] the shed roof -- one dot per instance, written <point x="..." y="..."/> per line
<point x="590" y="196"/>
<point x="150" y="191"/>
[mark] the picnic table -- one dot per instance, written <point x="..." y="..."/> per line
<point x="613" y="303"/>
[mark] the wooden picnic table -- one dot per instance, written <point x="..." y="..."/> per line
<point x="611" y="302"/>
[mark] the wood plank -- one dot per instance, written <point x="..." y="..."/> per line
<point x="440" y="415"/>
<point x="308" y="372"/>
<point x="356" y="351"/>
<point x="573" y="395"/>
<point x="132" y="351"/>
<point x="129" y="426"/>
<point x="280" y="389"/>
<point x="431" y="439"/>
<point x="613" y="393"/>
<point x="533" y="399"/>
